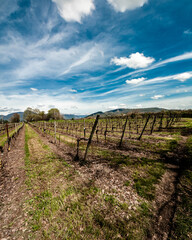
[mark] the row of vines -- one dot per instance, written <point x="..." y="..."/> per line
<point x="8" y="136"/>
<point x="113" y="130"/>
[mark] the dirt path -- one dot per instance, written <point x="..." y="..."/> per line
<point x="12" y="192"/>
<point x="165" y="203"/>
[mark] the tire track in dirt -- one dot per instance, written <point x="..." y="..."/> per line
<point x="13" y="192"/>
<point x="165" y="203"/>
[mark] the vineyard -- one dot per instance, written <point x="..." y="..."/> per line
<point x="126" y="177"/>
<point x="110" y="131"/>
<point x="8" y="136"/>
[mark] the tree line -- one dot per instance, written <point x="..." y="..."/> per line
<point x="31" y="115"/>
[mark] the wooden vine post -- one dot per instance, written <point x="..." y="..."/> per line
<point x="105" y="133"/>
<point x="139" y="138"/>
<point x="152" y="127"/>
<point x="45" y="127"/>
<point x="15" y="128"/>
<point x="77" y="155"/>
<point x="91" y="136"/>
<point x="123" y="133"/>
<point x="84" y="130"/>
<point x="172" y="121"/>
<point x="55" y="131"/>
<point x="161" y="122"/>
<point x="8" y="139"/>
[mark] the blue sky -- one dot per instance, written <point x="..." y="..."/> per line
<point x="83" y="56"/>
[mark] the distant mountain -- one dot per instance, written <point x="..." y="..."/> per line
<point x="70" y="116"/>
<point x="95" y="114"/>
<point x="120" y="111"/>
<point x="7" y="117"/>
<point x="113" y="112"/>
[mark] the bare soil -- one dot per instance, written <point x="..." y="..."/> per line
<point x="108" y="179"/>
<point x="165" y="203"/>
<point x="13" y="193"/>
<point x="166" y="191"/>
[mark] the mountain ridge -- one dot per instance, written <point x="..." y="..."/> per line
<point x="109" y="113"/>
<point x="119" y="111"/>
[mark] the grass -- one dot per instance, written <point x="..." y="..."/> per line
<point x="183" y="215"/>
<point x="64" y="206"/>
<point x="3" y="138"/>
<point x="79" y="209"/>
<point x="145" y="186"/>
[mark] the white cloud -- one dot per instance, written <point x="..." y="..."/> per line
<point x="139" y="105"/>
<point x="39" y="60"/>
<point x="74" y="10"/>
<point x="122" y="105"/>
<point x="123" y="5"/>
<point x="74" y="107"/>
<point x="135" y="61"/>
<point x="157" y="97"/>
<point x="182" y="57"/>
<point x="34" y="89"/>
<point x="188" y="32"/>
<point x="135" y="81"/>
<point x="113" y="107"/>
<point x="141" y="95"/>
<point x="183" y="76"/>
<point x="72" y="90"/>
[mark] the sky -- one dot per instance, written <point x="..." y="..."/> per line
<point x="84" y="56"/>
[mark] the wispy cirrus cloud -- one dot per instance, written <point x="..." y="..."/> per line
<point x="93" y="54"/>
<point x="182" y="57"/>
<point x="43" y="47"/>
<point x="135" y="81"/>
<point x="46" y="58"/>
<point x="34" y="89"/>
<point x="183" y="76"/>
<point x="144" y="81"/>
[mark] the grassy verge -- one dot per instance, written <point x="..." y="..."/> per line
<point x="3" y="138"/>
<point x="183" y="216"/>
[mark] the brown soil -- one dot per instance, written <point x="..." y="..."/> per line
<point x="108" y="179"/>
<point x="165" y="203"/>
<point x="12" y="192"/>
<point x="98" y="172"/>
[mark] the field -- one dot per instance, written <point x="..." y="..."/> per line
<point x="115" y="178"/>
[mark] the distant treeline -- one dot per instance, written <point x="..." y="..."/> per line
<point x="31" y="115"/>
<point x="186" y="113"/>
